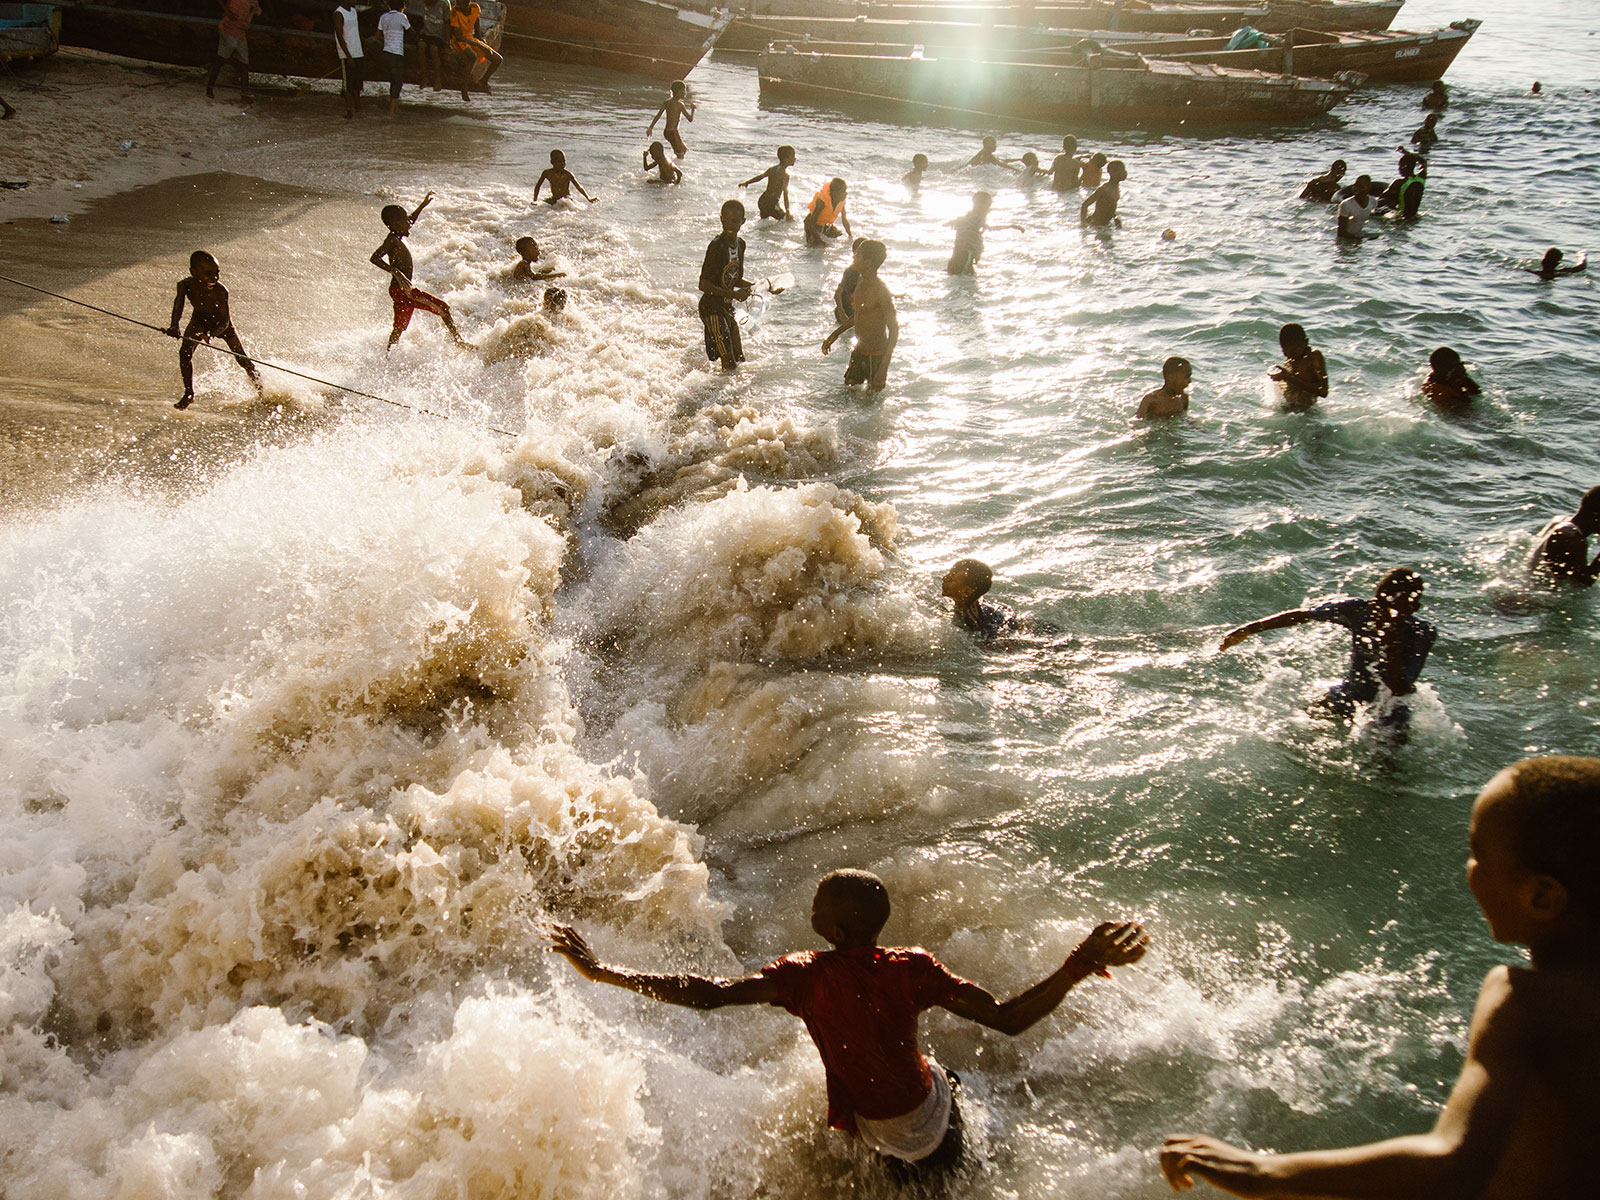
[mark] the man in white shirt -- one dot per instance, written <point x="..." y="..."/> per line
<point x="1355" y="208"/>
<point x="393" y="25"/>
<point x="347" y="41"/>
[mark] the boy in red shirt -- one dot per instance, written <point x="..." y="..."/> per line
<point x="860" y="1003"/>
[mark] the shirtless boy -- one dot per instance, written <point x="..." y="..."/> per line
<point x="655" y="159"/>
<point x="562" y="181"/>
<point x="873" y="318"/>
<point x="1517" y="1121"/>
<point x="394" y="257"/>
<point x="919" y="167"/>
<point x="1103" y="200"/>
<point x="675" y="108"/>
<point x="860" y="1002"/>
<point x="1092" y="169"/>
<point x="1324" y="189"/>
<point x="986" y="156"/>
<point x="969" y="235"/>
<point x="1550" y="265"/>
<point x="204" y="292"/>
<point x="1066" y="169"/>
<point x="777" y="188"/>
<point x="965" y="585"/>
<point x="1562" y="554"/>
<point x="1304" y="374"/>
<point x="527" y="256"/>
<point x="1448" y="385"/>
<point x="1171" y="399"/>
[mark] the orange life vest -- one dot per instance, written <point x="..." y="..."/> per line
<point x="823" y="210"/>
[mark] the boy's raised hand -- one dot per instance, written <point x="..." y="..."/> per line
<point x="1219" y="1164"/>
<point x="1114" y="944"/>
<point x="568" y="942"/>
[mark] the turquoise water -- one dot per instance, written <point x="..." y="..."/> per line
<point x="297" y="845"/>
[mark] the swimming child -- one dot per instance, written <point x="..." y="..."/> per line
<point x="562" y="181"/>
<point x="1171" y="399"/>
<point x="1562" y="552"/>
<point x="846" y="289"/>
<point x="873" y="318"/>
<point x="1066" y="169"/>
<point x="1403" y="197"/>
<point x="1424" y="137"/>
<point x="1437" y="98"/>
<point x="655" y="159"/>
<point x="1324" y="188"/>
<point x="204" y="293"/>
<point x="1304" y="374"/>
<point x="394" y="257"/>
<point x="969" y="235"/>
<point x="1091" y="171"/>
<point x="1104" y="199"/>
<point x="1513" y="1125"/>
<point x="1389" y="643"/>
<point x="1355" y="208"/>
<point x="777" y="188"/>
<point x="919" y="166"/>
<point x="860" y="1002"/>
<point x="528" y="254"/>
<point x="1448" y="385"/>
<point x="986" y="156"/>
<point x="722" y="282"/>
<point x="1030" y="166"/>
<point x="965" y="585"/>
<point x="1550" y="265"/>
<point x="675" y="108"/>
<point x="826" y="213"/>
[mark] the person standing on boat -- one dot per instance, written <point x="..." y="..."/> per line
<point x="233" y="33"/>
<point x="466" y="43"/>
<point x="393" y="25"/>
<point x="352" y="59"/>
<point x="431" y="42"/>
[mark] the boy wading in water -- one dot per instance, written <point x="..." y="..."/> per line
<point x="675" y="108"/>
<point x="562" y="181"/>
<point x="394" y="256"/>
<point x="1104" y="199"/>
<point x="722" y="282"/>
<point x="1303" y="374"/>
<point x="1562" y="552"/>
<point x="204" y="292"/>
<point x="873" y="318"/>
<point x="1517" y="1120"/>
<point x="826" y="213"/>
<point x="777" y="188"/>
<point x="1171" y="399"/>
<point x="969" y="235"/>
<point x="860" y="1003"/>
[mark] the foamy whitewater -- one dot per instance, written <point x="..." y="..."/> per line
<point x="302" y="752"/>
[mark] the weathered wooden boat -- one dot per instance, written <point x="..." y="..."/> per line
<point x="28" y="31"/>
<point x="1150" y="93"/>
<point x="640" y="37"/>
<point x="289" y="37"/>
<point x="1114" y="14"/>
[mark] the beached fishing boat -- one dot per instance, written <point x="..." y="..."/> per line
<point x="1110" y="14"/>
<point x="1122" y="92"/>
<point x="290" y="37"/>
<point x="640" y="37"/>
<point x="28" y="31"/>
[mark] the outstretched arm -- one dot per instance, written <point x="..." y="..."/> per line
<point x="691" y="991"/>
<point x="1283" y="620"/>
<point x="581" y="192"/>
<point x="417" y="212"/>
<point x="1110" y="945"/>
<point x="753" y="178"/>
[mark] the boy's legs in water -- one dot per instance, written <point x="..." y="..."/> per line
<point x="192" y="337"/>
<point x="931" y="1176"/>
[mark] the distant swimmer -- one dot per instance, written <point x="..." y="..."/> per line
<point x="826" y="213"/>
<point x="1550" y="265"/>
<point x="919" y="167"/>
<point x="777" y="188"/>
<point x="1303" y="375"/>
<point x="561" y="180"/>
<point x="1389" y="643"/>
<point x="203" y="291"/>
<point x="1562" y="552"/>
<point x="1536" y="88"/>
<point x="969" y="235"/>
<point x="860" y="1002"/>
<point x="1100" y="209"/>
<point x="722" y="282"/>
<point x="1092" y="171"/>
<point x="844" y="293"/>
<point x="527" y="256"/>
<point x="675" y="108"/>
<point x="1448" y="385"/>
<point x="555" y="301"/>
<point x="1437" y="98"/>
<point x="1324" y="189"/>
<point x="1355" y="208"/>
<point x="1171" y="399"/>
<point x="1425" y="135"/>
<point x="873" y="318"/>
<point x="965" y="584"/>
<point x="1513" y="1124"/>
<point x="986" y="156"/>
<point x="1403" y="197"/>
<point x="655" y="159"/>
<point x="394" y="257"/>
<point x="1066" y="169"/>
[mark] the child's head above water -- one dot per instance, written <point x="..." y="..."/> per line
<point x="966" y="581"/>
<point x="786" y="155"/>
<point x="657" y="150"/>
<point x="203" y="263"/>
<point x="557" y="159"/>
<point x="528" y="248"/>
<point x="1292" y="340"/>
<point x="678" y="89"/>
<point x="1445" y="361"/>
<point x="1176" y="373"/>
<point x="850" y="908"/>
<point x="919" y="161"/>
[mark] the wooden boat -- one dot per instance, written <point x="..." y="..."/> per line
<point x="640" y="37"/>
<point x="1124" y="92"/>
<point x="1331" y="15"/>
<point x="290" y="37"/>
<point x="28" y="31"/>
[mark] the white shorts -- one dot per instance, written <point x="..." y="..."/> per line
<point x="916" y="1134"/>
<point x="232" y="47"/>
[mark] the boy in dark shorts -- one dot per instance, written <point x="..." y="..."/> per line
<point x="655" y="159"/>
<point x="674" y="108"/>
<point x="826" y="213"/>
<point x="1303" y="374"/>
<point x="1514" y="1125"/>
<point x="777" y="188"/>
<point x="394" y="257"/>
<point x="860" y="1002"/>
<point x="873" y="318"/>
<point x="204" y="292"/>
<point x="432" y="36"/>
<point x="722" y="282"/>
<point x="562" y="181"/>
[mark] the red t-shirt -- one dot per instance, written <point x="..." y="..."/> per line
<point x="236" y="17"/>
<point x="860" y="1007"/>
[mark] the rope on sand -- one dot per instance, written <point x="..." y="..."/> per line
<point x="328" y="383"/>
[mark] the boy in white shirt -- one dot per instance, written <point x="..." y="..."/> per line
<point x="393" y="25"/>
<point x="1355" y="208"/>
<point x="352" y="62"/>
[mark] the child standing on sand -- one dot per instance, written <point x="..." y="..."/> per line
<point x="777" y="188"/>
<point x="204" y="292"/>
<point x="394" y="256"/>
<point x="860" y="1002"/>
<point x="675" y="108"/>
<point x="1514" y="1124"/>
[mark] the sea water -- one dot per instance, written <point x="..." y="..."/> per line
<point x="303" y="750"/>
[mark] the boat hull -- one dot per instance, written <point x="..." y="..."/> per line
<point x="639" y="37"/>
<point x="28" y="31"/>
<point x="1393" y="57"/>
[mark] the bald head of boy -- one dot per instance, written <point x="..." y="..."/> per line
<point x="850" y="908"/>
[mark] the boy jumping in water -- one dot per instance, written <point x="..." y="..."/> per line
<point x="860" y="1002"/>
<point x="394" y="256"/>
<point x="674" y="108"/>
<point x="777" y="188"/>
<point x="562" y="181"/>
<point x="873" y="318"/>
<point x="204" y="292"/>
<point x="1514" y="1124"/>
